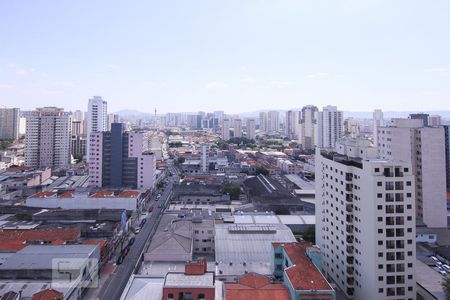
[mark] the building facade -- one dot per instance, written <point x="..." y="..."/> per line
<point x="226" y="129"/>
<point x="48" y="138"/>
<point x="365" y="222"/>
<point x="120" y="159"/>
<point x="97" y="117"/>
<point x="330" y="122"/>
<point x="9" y="123"/>
<point x="237" y="128"/>
<point x="250" y="129"/>
<point x="424" y="148"/>
<point x="308" y="135"/>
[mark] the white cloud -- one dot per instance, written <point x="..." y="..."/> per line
<point x="216" y="85"/>
<point x="114" y="67"/>
<point x="279" y="84"/>
<point x="19" y="70"/>
<point x="437" y="70"/>
<point x="318" y="75"/>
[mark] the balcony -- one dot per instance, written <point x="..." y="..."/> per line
<point x="350" y="270"/>
<point x="349" y="187"/>
<point x="349" y="229"/>
<point x="349" y="198"/>
<point x="349" y="239"/>
<point x="348" y="177"/>
<point x="349" y="208"/>
<point x="350" y="260"/>
<point x="349" y="218"/>
<point x="350" y="249"/>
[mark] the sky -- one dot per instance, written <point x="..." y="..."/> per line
<point x="232" y="55"/>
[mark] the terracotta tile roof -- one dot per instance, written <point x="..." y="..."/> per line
<point x="44" y="195"/>
<point x="12" y="246"/>
<point x="128" y="194"/>
<point x="52" y="235"/>
<point x="48" y="294"/>
<point x="68" y="194"/>
<point x="303" y="274"/>
<point x="254" y="286"/>
<point x="103" y="194"/>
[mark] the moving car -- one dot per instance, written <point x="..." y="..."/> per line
<point x="120" y="260"/>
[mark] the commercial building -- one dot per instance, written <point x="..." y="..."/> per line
<point x="330" y="123"/>
<point x="365" y="221"/>
<point x="9" y="123"/>
<point x="120" y="159"/>
<point x="424" y="148"/>
<point x="250" y="129"/>
<point x="48" y="138"/>
<point x="308" y="135"/>
<point x="125" y="199"/>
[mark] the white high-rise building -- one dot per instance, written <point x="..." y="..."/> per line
<point x="250" y="129"/>
<point x="237" y="128"/>
<point x="273" y="121"/>
<point x="112" y="118"/>
<point x="330" y="122"/>
<point x="291" y="124"/>
<point x="9" y="123"/>
<point x="48" y="138"/>
<point x="365" y="223"/>
<point x="205" y="158"/>
<point x="308" y="135"/>
<point x="97" y="117"/>
<point x="226" y="129"/>
<point x="378" y="121"/>
<point x="263" y="122"/>
<point x="424" y="148"/>
<point x="78" y="115"/>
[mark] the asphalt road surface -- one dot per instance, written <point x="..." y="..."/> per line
<point x="121" y="275"/>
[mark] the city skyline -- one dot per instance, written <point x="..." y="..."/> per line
<point x="226" y="56"/>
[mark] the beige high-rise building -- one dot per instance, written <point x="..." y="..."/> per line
<point x="226" y="129"/>
<point x="273" y="121"/>
<point x="365" y="221"/>
<point x="424" y="148"/>
<point x="378" y="121"/>
<point x="263" y="122"/>
<point x="48" y="138"/>
<point x="237" y="128"/>
<point x="250" y="129"/>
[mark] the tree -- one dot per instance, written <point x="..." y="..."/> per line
<point x="310" y="234"/>
<point x="234" y="190"/>
<point x="261" y="170"/>
<point x="446" y="287"/>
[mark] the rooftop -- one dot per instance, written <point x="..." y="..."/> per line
<point x="255" y="286"/>
<point x="303" y="274"/>
<point x="65" y="234"/>
<point x="99" y="194"/>
<point x="189" y="281"/>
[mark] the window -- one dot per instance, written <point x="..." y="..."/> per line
<point x="170" y="296"/>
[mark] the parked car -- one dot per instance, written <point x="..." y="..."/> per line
<point x="137" y="230"/>
<point x="150" y="209"/>
<point x="125" y="251"/>
<point x="120" y="260"/>
<point x="434" y="258"/>
<point x="131" y="241"/>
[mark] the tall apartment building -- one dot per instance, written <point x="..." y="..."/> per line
<point x="97" y="117"/>
<point x="250" y="129"/>
<point x="330" y="122"/>
<point x="434" y="121"/>
<point x="205" y="158"/>
<point x="291" y="124"/>
<point x="119" y="158"/>
<point x="237" y="128"/>
<point x="447" y="155"/>
<point x="365" y="223"/>
<point x="9" y="123"/>
<point x="420" y="116"/>
<point x="424" y="148"/>
<point x="378" y="121"/>
<point x="225" y="129"/>
<point x="112" y="118"/>
<point x="308" y="135"/>
<point x="263" y="122"/>
<point x="273" y="121"/>
<point x="48" y="138"/>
